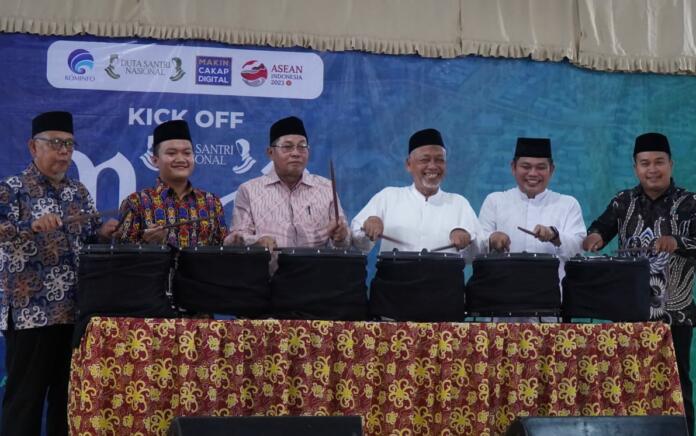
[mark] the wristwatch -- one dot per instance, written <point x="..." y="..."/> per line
<point x="556" y="235"/>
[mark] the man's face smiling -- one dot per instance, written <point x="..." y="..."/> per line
<point x="654" y="171"/>
<point x="175" y="160"/>
<point x="427" y="166"/>
<point x="532" y="174"/>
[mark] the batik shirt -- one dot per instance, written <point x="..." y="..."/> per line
<point x="161" y="206"/>
<point x="639" y="221"/>
<point x="38" y="271"/>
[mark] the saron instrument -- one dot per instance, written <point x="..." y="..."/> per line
<point x="606" y="287"/>
<point x="230" y="280"/>
<point x="320" y="283"/>
<point x="418" y="286"/>
<point x="514" y="284"/>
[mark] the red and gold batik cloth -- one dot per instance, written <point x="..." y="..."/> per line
<point x="133" y="376"/>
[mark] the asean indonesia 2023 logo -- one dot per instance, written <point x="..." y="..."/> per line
<point x="80" y="61"/>
<point x="254" y="73"/>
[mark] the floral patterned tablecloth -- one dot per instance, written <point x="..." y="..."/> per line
<point x="133" y="376"/>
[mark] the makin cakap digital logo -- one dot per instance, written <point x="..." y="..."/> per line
<point x="213" y="70"/>
<point x="81" y="63"/>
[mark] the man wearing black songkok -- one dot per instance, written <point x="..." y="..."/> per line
<point x="661" y="217"/>
<point x="38" y="274"/>
<point x="173" y="200"/>
<point x="288" y="207"/>
<point x="554" y="218"/>
<point x="420" y="215"/>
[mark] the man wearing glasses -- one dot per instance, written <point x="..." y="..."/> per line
<point x="38" y="252"/>
<point x="288" y="207"/>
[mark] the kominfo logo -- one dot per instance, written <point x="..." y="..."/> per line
<point x="80" y="61"/>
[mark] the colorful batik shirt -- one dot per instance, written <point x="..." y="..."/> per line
<point x="161" y="206"/>
<point x="639" y="221"/>
<point x="38" y="271"/>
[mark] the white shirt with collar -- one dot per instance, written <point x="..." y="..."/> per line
<point x="506" y="210"/>
<point x="417" y="221"/>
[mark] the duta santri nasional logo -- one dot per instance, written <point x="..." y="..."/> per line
<point x="80" y="61"/>
<point x="254" y="73"/>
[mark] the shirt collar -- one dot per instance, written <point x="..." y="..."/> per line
<point x="420" y="195"/>
<point x="33" y="171"/>
<point x="272" y="177"/>
<point x="639" y="191"/>
<point x="539" y="197"/>
<point x="162" y="187"/>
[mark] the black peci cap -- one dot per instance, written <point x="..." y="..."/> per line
<point x="533" y="147"/>
<point x="57" y="120"/>
<point x="651" y="142"/>
<point x="425" y="137"/>
<point x="287" y="126"/>
<point x="174" y="129"/>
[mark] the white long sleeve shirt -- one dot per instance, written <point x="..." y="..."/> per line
<point x="417" y="221"/>
<point x="505" y="211"/>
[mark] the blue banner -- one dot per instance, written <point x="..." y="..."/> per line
<point x="367" y="107"/>
<point x="359" y="110"/>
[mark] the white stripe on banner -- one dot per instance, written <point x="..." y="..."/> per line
<point x="184" y="70"/>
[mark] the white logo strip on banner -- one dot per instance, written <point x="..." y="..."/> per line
<point x="184" y="70"/>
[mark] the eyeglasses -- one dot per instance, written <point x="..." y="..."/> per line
<point x="287" y="148"/>
<point x="56" y="143"/>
